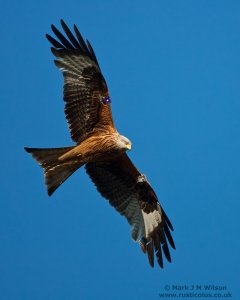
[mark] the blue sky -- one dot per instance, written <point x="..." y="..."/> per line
<point x="173" y="71"/>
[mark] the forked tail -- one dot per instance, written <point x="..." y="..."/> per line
<point x="55" y="171"/>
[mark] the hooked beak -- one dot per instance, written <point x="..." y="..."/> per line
<point x="129" y="146"/>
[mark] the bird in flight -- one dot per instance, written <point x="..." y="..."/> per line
<point x="100" y="147"/>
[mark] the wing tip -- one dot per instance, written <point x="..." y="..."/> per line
<point x="50" y="191"/>
<point x="62" y="22"/>
<point x="156" y="245"/>
<point x="70" y="41"/>
<point x="27" y="149"/>
<point x="47" y="36"/>
<point x="53" y="27"/>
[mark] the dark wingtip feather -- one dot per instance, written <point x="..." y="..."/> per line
<point x="54" y="42"/>
<point x="92" y="51"/>
<point x="70" y="35"/>
<point x="159" y="258"/>
<point x="158" y="250"/>
<point x="81" y="40"/>
<point x="169" y="236"/>
<point x="30" y="150"/>
<point x="166" y="252"/>
<point x="62" y="38"/>
<point x="70" y="41"/>
<point x="167" y="220"/>
<point x="27" y="149"/>
<point x="150" y="253"/>
<point x="50" y="191"/>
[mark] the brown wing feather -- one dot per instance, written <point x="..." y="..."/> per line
<point x="84" y="84"/>
<point x="131" y="195"/>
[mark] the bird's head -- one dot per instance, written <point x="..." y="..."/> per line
<point x="124" y="143"/>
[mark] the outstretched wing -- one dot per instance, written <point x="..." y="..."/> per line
<point x="129" y="192"/>
<point x="87" y="102"/>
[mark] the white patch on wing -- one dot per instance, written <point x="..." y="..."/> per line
<point x="151" y="221"/>
<point x="142" y="224"/>
<point x="135" y="219"/>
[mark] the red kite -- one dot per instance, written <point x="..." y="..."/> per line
<point x="100" y="148"/>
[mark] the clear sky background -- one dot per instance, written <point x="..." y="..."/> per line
<point x="173" y="70"/>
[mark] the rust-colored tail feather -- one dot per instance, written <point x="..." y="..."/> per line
<point x="55" y="171"/>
